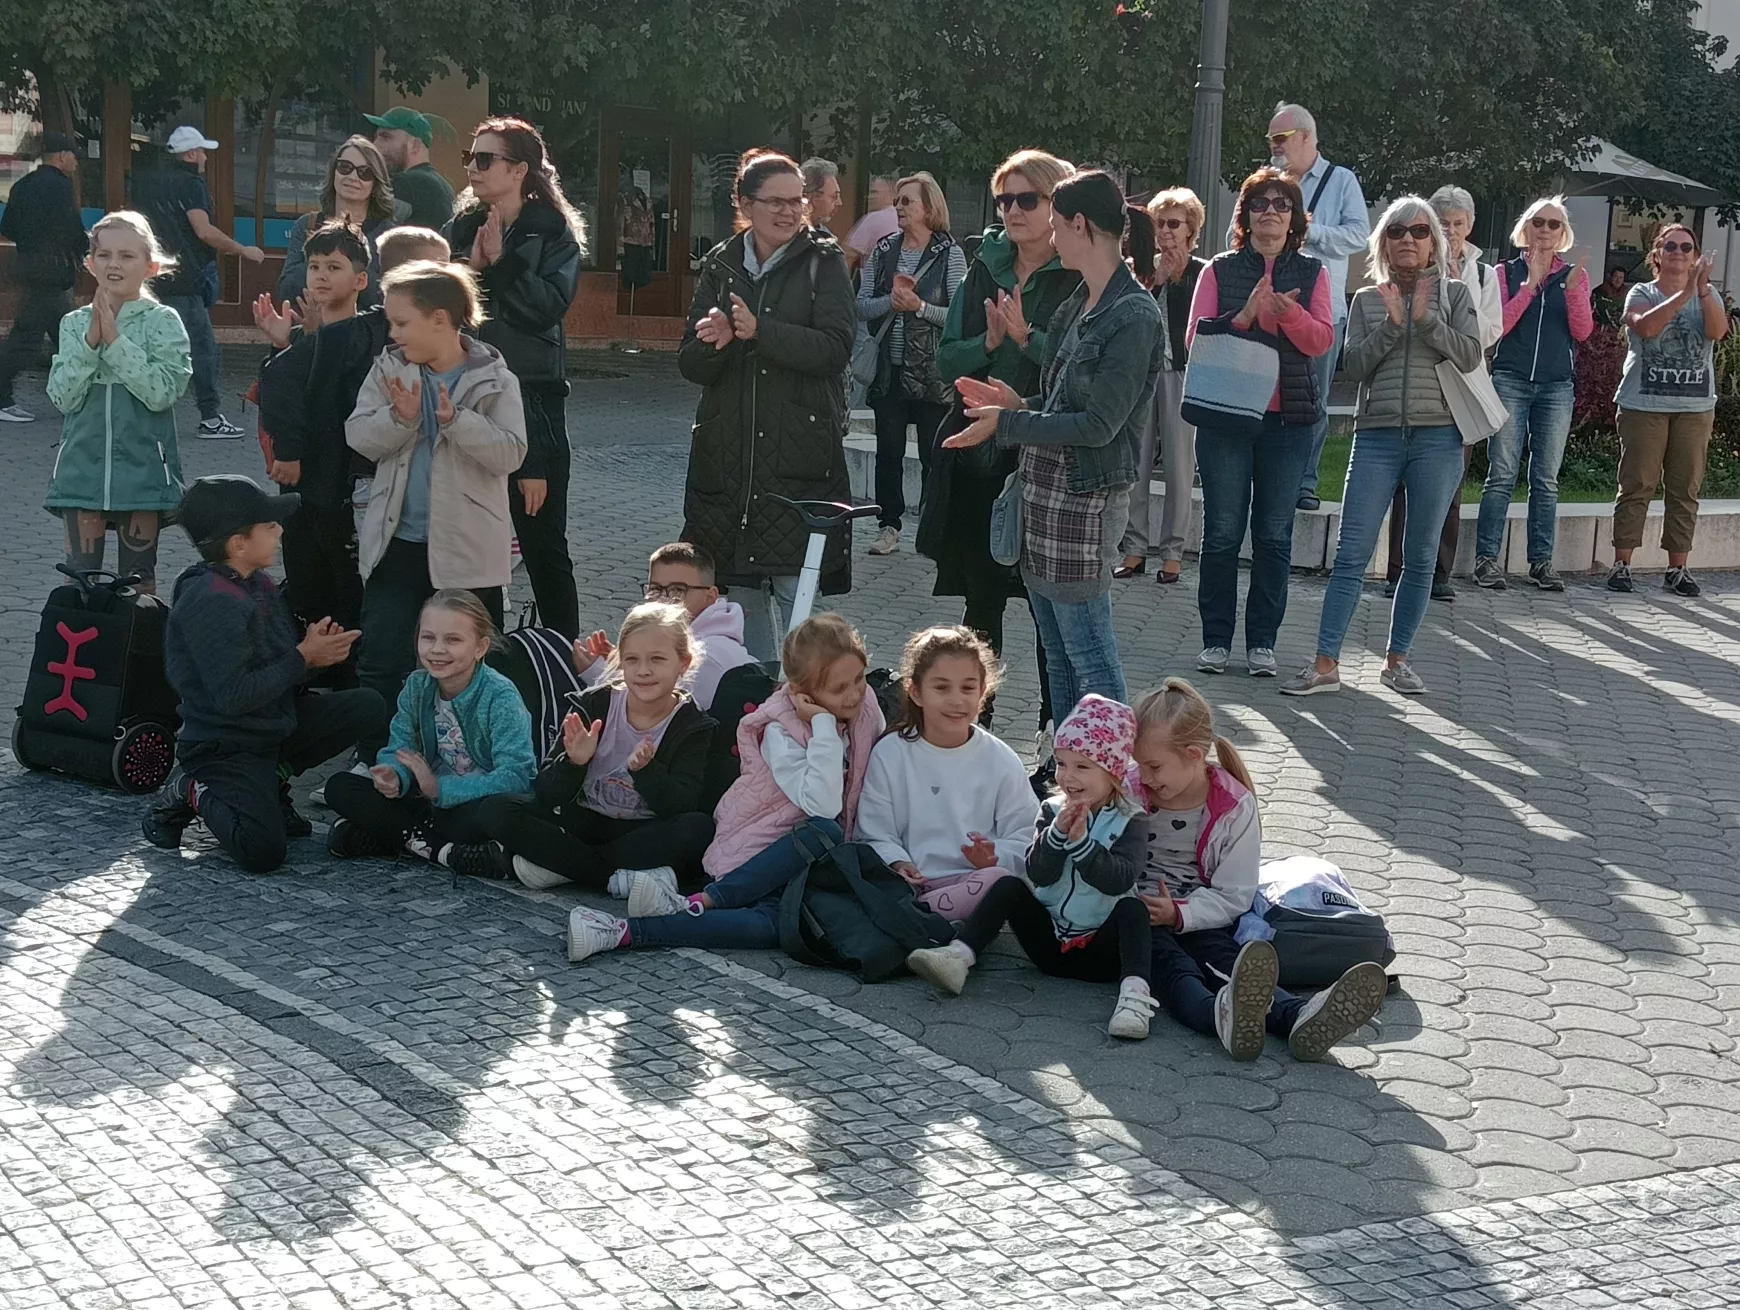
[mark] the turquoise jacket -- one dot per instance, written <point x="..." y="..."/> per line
<point x="117" y="445"/>
<point x="497" y="731"/>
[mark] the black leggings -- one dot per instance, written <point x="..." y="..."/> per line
<point x="353" y="796"/>
<point x="1189" y="969"/>
<point x="587" y="847"/>
<point x="1120" y="948"/>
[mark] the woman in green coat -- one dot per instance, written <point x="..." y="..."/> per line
<point x="122" y="363"/>
<point x="995" y="330"/>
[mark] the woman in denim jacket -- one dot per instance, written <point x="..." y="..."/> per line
<point x="1078" y="438"/>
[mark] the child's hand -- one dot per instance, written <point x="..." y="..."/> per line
<point x="1162" y="909"/>
<point x="580" y="739"/>
<point x="103" y="331"/>
<point x="1071" y="821"/>
<point x="443" y="405"/>
<point x="980" y="853"/>
<point x="285" y="472"/>
<point x="274" y="322"/>
<point x="421" y="771"/>
<point x="326" y="644"/>
<point x="309" y="310"/>
<point x="589" y="650"/>
<point x="643" y="755"/>
<point x="909" y="872"/>
<point x="806" y="708"/>
<point x="386" y="780"/>
<point x="407" y="401"/>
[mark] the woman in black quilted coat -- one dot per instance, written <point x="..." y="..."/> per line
<point x="770" y="331"/>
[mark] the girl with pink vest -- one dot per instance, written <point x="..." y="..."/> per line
<point x="803" y="755"/>
<point x="1204" y="850"/>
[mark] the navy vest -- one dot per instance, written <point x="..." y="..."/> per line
<point x="1539" y="347"/>
<point x="1236" y="275"/>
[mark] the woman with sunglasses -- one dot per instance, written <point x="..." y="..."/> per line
<point x="358" y="190"/>
<point x="995" y="331"/>
<point x="1667" y="404"/>
<point x="1415" y="316"/>
<point x="1267" y="287"/>
<point x="1178" y="217"/>
<point x="1547" y="311"/>
<point x="522" y="238"/>
<point x="912" y="276"/>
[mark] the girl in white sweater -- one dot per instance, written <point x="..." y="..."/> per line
<point x="946" y="803"/>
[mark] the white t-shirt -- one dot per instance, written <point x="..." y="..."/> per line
<point x="920" y="801"/>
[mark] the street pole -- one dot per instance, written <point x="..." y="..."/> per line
<point x="1204" y="171"/>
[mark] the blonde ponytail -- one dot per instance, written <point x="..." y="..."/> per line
<point x="1228" y="757"/>
<point x="1180" y="713"/>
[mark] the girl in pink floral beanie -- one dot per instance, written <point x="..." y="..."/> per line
<point x="1076" y="915"/>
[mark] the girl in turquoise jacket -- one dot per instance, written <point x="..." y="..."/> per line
<point x="121" y="365"/>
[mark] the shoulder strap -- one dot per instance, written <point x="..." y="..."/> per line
<point x="1321" y="183"/>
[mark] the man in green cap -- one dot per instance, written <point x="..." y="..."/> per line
<point x="403" y="136"/>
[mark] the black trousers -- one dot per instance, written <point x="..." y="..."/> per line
<point x="544" y="535"/>
<point x="321" y="578"/>
<point x="242" y="803"/>
<point x="1189" y="969"/>
<point x="587" y="847"/>
<point x="392" y="600"/>
<point x="1120" y="949"/>
<point x="37" y="318"/>
<point x="353" y="796"/>
<point x="1447" y="539"/>
<point x="893" y="413"/>
<point x="984" y="615"/>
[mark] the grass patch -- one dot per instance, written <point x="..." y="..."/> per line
<point x="1581" y="480"/>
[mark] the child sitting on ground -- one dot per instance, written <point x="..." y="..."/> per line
<point x="1079" y="918"/>
<point x="121" y="365"/>
<point x="946" y="803"/>
<point x="682" y="574"/>
<point x="460" y="735"/>
<point x="1204" y="848"/>
<point x="803" y="754"/>
<point x="624" y="791"/>
<point x="231" y="652"/>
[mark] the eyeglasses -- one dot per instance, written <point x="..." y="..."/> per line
<point x="1170" y="224"/>
<point x="344" y="168"/>
<point x="674" y="593"/>
<point x="1280" y="138"/>
<point x="1550" y="224"/>
<point x="1263" y="204"/>
<point x="1677" y="247"/>
<point x="781" y="204"/>
<point x="1027" y="200"/>
<point x="1419" y="231"/>
<point x="481" y="161"/>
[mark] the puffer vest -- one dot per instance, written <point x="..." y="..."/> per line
<point x="1236" y="275"/>
<point x="754" y="813"/>
<point x="1538" y="346"/>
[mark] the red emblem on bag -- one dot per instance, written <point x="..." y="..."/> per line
<point x="70" y="671"/>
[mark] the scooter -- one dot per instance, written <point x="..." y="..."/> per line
<point x="821" y="517"/>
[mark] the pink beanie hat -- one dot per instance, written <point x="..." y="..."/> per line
<point x="1104" y="731"/>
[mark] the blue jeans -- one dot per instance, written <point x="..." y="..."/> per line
<point x="1081" y="650"/>
<point x="1247" y="481"/>
<point x="202" y="342"/>
<point x="1428" y="461"/>
<point x="1325" y="365"/>
<point x="1540" y="423"/>
<point x="745" y="911"/>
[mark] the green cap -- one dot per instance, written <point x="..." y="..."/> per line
<point x="404" y="119"/>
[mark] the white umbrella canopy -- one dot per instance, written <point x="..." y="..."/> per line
<point x="1614" y="173"/>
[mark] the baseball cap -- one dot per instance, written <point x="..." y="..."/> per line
<point x="402" y="118"/>
<point x="58" y="143"/>
<point x="215" y="508"/>
<point x="185" y="138"/>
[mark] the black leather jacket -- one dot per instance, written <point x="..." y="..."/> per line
<point x="528" y="290"/>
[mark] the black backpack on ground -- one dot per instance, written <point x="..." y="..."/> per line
<point x="849" y="910"/>
<point x="540" y="664"/>
<point x="97" y="703"/>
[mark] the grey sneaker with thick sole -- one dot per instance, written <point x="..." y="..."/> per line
<point x="1402" y="678"/>
<point x="1338" y="1012"/>
<point x="1260" y="662"/>
<point x="1308" y="682"/>
<point x="1488" y="574"/>
<point x="1546" y="577"/>
<point x="1212" y="660"/>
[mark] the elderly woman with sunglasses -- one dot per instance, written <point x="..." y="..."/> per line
<point x="1546" y="312"/>
<point x="1667" y="404"/>
<point x="1398" y="331"/>
<point x="358" y="190"/>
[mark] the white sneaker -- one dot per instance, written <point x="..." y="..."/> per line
<point x="652" y="892"/>
<point x="1241" y="1010"/>
<point x="943" y="967"/>
<point x="618" y="886"/>
<point x="16" y="414"/>
<point x="1338" y="1012"/>
<point x="318" y="795"/>
<point x="591" y="931"/>
<point x="1213" y="659"/>
<point x="536" y="876"/>
<point x="1135" y="1009"/>
<point x="886" y="543"/>
<point x="1260" y="661"/>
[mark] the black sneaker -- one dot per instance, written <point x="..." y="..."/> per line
<point x="1489" y="574"/>
<point x="1619" y="577"/>
<point x="171" y="811"/>
<point x="479" y="860"/>
<point x="1442" y="590"/>
<point x="348" y="841"/>
<point x="1546" y="577"/>
<point x="1681" y="582"/>
<point x="295" y="826"/>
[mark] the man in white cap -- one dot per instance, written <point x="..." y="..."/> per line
<point x="178" y="203"/>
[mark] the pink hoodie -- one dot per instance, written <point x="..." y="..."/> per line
<point x="720" y="628"/>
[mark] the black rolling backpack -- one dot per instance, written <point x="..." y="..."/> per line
<point x="97" y="703"/>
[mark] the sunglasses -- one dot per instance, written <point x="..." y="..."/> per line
<point x="344" y="168"/>
<point x="1550" y="224"/>
<point x="1027" y="200"/>
<point x="1677" y="247"/>
<point x="1280" y="138"/>
<point x="481" y="161"/>
<point x="1419" y="231"/>
<point x="1263" y="204"/>
<point x="1171" y="224"/>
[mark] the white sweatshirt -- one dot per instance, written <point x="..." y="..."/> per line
<point x="920" y="802"/>
<point x="813" y="779"/>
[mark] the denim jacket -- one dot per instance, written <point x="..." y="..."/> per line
<point x="1106" y="388"/>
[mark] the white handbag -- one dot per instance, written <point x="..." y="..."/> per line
<point x="1473" y="400"/>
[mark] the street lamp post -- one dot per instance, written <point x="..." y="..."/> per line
<point x="1204" y="171"/>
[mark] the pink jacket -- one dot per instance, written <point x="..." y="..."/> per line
<point x="755" y="813"/>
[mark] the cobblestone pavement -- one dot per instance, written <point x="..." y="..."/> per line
<point x="363" y="1085"/>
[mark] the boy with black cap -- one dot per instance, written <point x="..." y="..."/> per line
<point x="233" y="657"/>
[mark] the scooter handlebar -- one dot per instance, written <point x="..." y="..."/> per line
<point x="825" y="515"/>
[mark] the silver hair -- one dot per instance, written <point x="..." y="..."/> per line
<point x="1519" y="235"/>
<point x="1407" y="209"/>
<point x="1449" y="199"/>
<point x="1300" y="115"/>
<point x="817" y="171"/>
